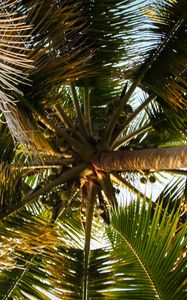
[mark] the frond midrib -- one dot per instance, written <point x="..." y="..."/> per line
<point x="143" y="266"/>
<point x="18" y="278"/>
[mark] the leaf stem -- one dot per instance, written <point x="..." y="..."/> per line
<point x="78" y="111"/>
<point x="129" y="137"/>
<point x="67" y="123"/>
<point x="18" y="278"/>
<point x="118" y="111"/>
<point x="47" y="164"/>
<point x="91" y="191"/>
<point x="78" y="146"/>
<point x="131" y="117"/>
<point x="113" y="121"/>
<point x="62" y="116"/>
<point x="66" y="176"/>
<point x="122" y="181"/>
<point x="138" y="258"/>
<point x="107" y="187"/>
<point x="87" y="109"/>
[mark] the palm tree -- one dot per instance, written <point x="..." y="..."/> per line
<point x="93" y="97"/>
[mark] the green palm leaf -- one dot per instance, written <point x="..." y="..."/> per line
<point x="36" y="256"/>
<point x="174" y="194"/>
<point x="149" y="252"/>
<point x="146" y="259"/>
<point x="164" y="67"/>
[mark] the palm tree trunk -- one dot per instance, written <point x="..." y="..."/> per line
<point x="145" y="159"/>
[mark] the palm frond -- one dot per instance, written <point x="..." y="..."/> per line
<point x="174" y="192"/>
<point x="172" y="126"/>
<point x="165" y="52"/>
<point x="110" y="23"/>
<point x="35" y="255"/>
<point x="79" y="41"/>
<point x="147" y="258"/>
<point x="127" y="185"/>
<point x="13" y="51"/>
<point x="7" y="148"/>
<point x="10" y="189"/>
<point x="57" y="45"/>
<point x="15" y="35"/>
<point x="12" y="186"/>
<point x="147" y="254"/>
<point x="48" y="257"/>
<point x="156" y="246"/>
<point x="24" y="130"/>
<point x="168" y="127"/>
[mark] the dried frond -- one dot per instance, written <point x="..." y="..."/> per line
<point x="14" y="39"/>
<point x="24" y="131"/>
<point x="14" y="65"/>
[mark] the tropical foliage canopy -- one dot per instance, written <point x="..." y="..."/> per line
<point x="93" y="104"/>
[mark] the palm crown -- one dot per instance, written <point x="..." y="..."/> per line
<point x="93" y="97"/>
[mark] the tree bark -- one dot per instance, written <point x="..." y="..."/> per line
<point x="145" y="159"/>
